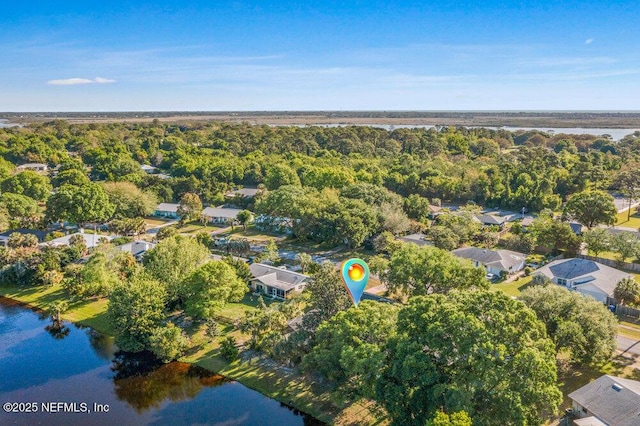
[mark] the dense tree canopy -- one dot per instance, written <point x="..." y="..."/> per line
<point x="592" y="208"/>
<point x="580" y="325"/>
<point x="28" y="183"/>
<point x="210" y="287"/>
<point x="479" y="352"/>
<point x="80" y="204"/>
<point x="136" y="309"/>
<point x="416" y="270"/>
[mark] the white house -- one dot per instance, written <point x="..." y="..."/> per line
<point x="585" y="276"/>
<point x="244" y="192"/>
<point x="148" y="169"/>
<point x="36" y="167"/>
<point x="167" y="210"/>
<point x="90" y="240"/>
<point x="220" y="215"/>
<point x="276" y="282"/>
<point x="494" y="261"/>
<point x="608" y="400"/>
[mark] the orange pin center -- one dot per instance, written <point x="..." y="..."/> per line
<point x="356" y="272"/>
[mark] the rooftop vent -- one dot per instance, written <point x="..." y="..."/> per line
<point x="616" y="387"/>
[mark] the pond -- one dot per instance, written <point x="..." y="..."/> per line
<point x="76" y="376"/>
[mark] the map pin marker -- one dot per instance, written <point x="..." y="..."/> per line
<point x="355" y="275"/>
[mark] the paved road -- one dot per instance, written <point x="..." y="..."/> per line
<point x="627" y="345"/>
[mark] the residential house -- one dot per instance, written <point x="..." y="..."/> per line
<point x="577" y="228"/>
<point x="137" y="248"/>
<point x="607" y="400"/>
<point x="148" y="169"/>
<point x="36" y="167"/>
<point x="585" y="276"/>
<point x="276" y="282"/>
<point x="167" y="210"/>
<point x="417" y="238"/>
<point x="434" y="211"/>
<point x="526" y="221"/>
<point x="90" y="240"/>
<point x="491" y="220"/>
<point x="494" y="261"/>
<point x="277" y="224"/>
<point x="220" y="215"/>
<point x="244" y="193"/>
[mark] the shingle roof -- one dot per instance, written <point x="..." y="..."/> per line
<point x="417" y="238"/>
<point x="490" y="219"/>
<point x="499" y="258"/>
<point x="613" y="400"/>
<point x="221" y="212"/>
<point x="168" y="207"/>
<point x="275" y="277"/>
<point x="603" y="277"/>
<point x="245" y="192"/>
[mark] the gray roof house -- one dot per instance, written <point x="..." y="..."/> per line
<point x="585" y="276"/>
<point x="90" y="240"/>
<point x="137" y="248"/>
<point x="167" y="210"/>
<point x="492" y="220"/>
<point x="495" y="261"/>
<point x="275" y="282"/>
<point x="36" y="167"/>
<point x="607" y="400"/>
<point x="244" y="192"/>
<point x="148" y="169"/>
<point x="220" y="214"/>
<point x="417" y="238"/>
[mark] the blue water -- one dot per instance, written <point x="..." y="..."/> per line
<point x="37" y="366"/>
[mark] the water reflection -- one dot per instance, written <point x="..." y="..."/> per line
<point x="84" y="366"/>
<point x="144" y="382"/>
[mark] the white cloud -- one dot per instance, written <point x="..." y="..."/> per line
<point x="76" y="81"/>
<point x="101" y="80"/>
<point x="589" y="40"/>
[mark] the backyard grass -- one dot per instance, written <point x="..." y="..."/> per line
<point x="195" y="227"/>
<point x="267" y="377"/>
<point x="92" y="313"/>
<point x="513" y="288"/>
<point x="634" y="222"/>
<point x="153" y="222"/>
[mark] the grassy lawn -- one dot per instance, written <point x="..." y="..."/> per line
<point x="153" y="222"/>
<point x="634" y="222"/>
<point x="513" y="288"/>
<point x="268" y="378"/>
<point x="92" y="313"/>
<point x="234" y="311"/>
<point x="254" y="234"/>
<point x="195" y="227"/>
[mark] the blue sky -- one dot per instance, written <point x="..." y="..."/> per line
<point x="315" y="55"/>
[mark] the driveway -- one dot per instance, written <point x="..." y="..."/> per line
<point x="627" y="345"/>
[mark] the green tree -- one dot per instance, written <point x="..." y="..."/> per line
<point x="625" y="244"/>
<point x="461" y="418"/>
<point x="444" y="238"/>
<point x="71" y="177"/>
<point x="627" y="292"/>
<point x="173" y="260"/>
<point x="628" y="182"/>
<point x="228" y="348"/>
<point x="210" y="287"/>
<point x="128" y="226"/>
<point x="280" y="175"/>
<point x="592" y="208"/>
<point x="415" y="270"/>
<point x="244" y="217"/>
<point x="23" y="210"/>
<point x="327" y="295"/>
<point x="166" y="232"/>
<point x="168" y="342"/>
<point x="28" y="183"/>
<point x="475" y="351"/>
<point x="135" y="310"/>
<point x="79" y="204"/>
<point x="579" y="325"/>
<point x="553" y="234"/>
<point x="350" y="346"/>
<point x="596" y="240"/>
<point x="271" y="253"/>
<point x="190" y="207"/>
<point x="129" y="201"/>
<point x="305" y="261"/>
